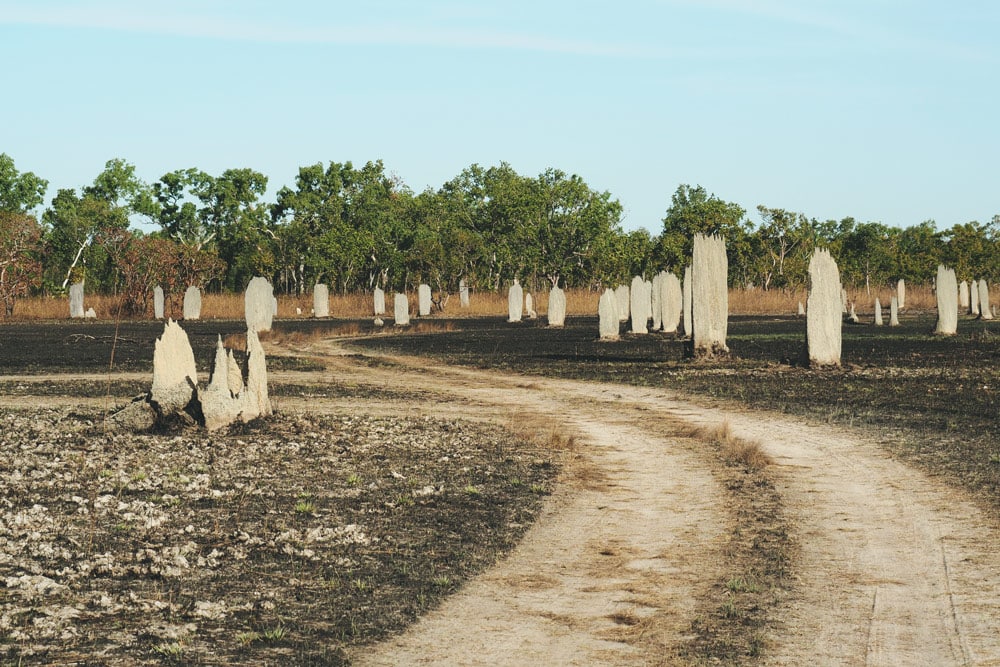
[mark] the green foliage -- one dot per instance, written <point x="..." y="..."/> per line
<point x="343" y="226"/>
<point x="177" y="214"/>
<point x="866" y="256"/>
<point x="553" y="227"/>
<point x="972" y="250"/>
<point x="784" y="242"/>
<point x="355" y="228"/>
<point x="918" y="252"/>
<point x="19" y="193"/>
<point x="695" y="211"/>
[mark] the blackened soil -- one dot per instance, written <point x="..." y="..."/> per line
<point x="933" y="400"/>
<point x="80" y="346"/>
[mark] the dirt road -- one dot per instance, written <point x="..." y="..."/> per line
<point x="893" y="568"/>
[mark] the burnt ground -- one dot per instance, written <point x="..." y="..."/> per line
<point x="932" y="400"/>
<point x="284" y="541"/>
<point x="927" y="399"/>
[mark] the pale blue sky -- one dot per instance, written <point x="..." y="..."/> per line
<point x="884" y="110"/>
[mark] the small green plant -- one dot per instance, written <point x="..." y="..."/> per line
<point x="729" y="608"/>
<point x="247" y="638"/>
<point x="742" y="585"/>
<point x="275" y="634"/>
<point x="442" y="581"/>
<point x="354" y="479"/>
<point x="516" y="482"/>
<point x="471" y="490"/>
<point x="305" y="507"/>
<point x="404" y="500"/>
<point x="537" y="488"/>
<point x="138" y="476"/>
<point x="360" y="585"/>
<point x="171" y="651"/>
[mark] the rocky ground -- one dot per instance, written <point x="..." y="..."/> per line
<point x="279" y="542"/>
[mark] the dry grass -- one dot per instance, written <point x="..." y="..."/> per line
<point x="359" y="305"/>
<point x="757" y="301"/>
<point x="781" y="302"/>
<point x="736" y="618"/>
<point x="735" y="451"/>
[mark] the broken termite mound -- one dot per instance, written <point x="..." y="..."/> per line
<point x="234" y="392"/>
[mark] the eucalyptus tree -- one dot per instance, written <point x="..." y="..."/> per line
<point x="176" y="193"/>
<point x="443" y="248"/>
<point x="866" y="254"/>
<point x="73" y="221"/>
<point x="343" y="225"/>
<point x="693" y="210"/>
<point x="498" y="203"/>
<point x="239" y="224"/>
<point x="19" y="192"/>
<point x="377" y="207"/>
<point x="787" y="241"/>
<point x="573" y="224"/>
<point x="313" y="237"/>
<point x="623" y="255"/>
<point x="972" y="249"/>
<point x="918" y="251"/>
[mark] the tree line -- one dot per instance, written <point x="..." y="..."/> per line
<point x="355" y="228"/>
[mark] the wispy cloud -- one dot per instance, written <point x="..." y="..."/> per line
<point x="196" y="23"/>
<point x="879" y="24"/>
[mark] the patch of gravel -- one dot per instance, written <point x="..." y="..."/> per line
<point x="273" y="543"/>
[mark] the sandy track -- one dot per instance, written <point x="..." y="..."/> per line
<point x="892" y="567"/>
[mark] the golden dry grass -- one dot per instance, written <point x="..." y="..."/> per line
<point x="482" y="304"/>
<point x="735" y="450"/>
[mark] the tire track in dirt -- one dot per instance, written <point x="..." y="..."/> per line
<point x="611" y="571"/>
<point x="894" y="568"/>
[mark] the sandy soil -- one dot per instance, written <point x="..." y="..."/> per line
<point x="893" y="568"/>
